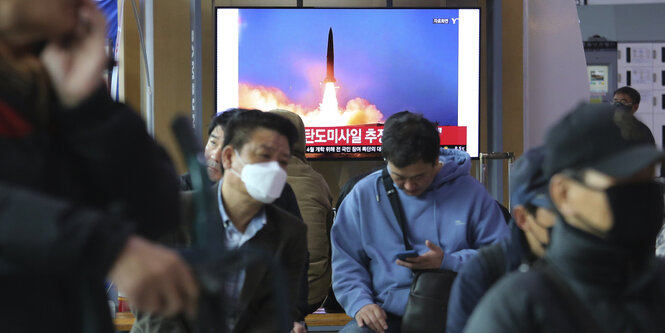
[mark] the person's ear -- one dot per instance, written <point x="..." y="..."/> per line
<point x="559" y="193"/>
<point x="227" y="157"/>
<point x="519" y="215"/>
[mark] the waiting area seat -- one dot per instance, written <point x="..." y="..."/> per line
<point x="316" y="322"/>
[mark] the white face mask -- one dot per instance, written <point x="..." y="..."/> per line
<point x="264" y="181"/>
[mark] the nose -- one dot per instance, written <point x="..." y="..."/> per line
<point x="410" y="185"/>
<point x="217" y="154"/>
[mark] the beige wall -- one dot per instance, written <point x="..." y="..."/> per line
<point x="172" y="71"/>
<point x="171" y="77"/>
<point x="513" y="95"/>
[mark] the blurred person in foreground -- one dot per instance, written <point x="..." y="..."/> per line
<point x="533" y="216"/>
<point x="82" y="185"/>
<point x="599" y="273"/>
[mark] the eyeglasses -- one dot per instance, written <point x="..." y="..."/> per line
<point x="621" y="102"/>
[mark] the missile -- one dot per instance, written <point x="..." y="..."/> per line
<point x="330" y="60"/>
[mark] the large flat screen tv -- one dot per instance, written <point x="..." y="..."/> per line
<point x="345" y="71"/>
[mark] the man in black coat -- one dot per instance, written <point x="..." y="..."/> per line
<point x="525" y="243"/>
<point x="599" y="272"/>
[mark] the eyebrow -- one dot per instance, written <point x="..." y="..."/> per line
<point x="402" y="176"/>
<point x="271" y="149"/>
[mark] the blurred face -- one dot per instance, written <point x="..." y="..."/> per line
<point x="626" y="101"/>
<point x="39" y="20"/>
<point x="265" y="145"/>
<point x="584" y="203"/>
<point x="414" y="178"/>
<point x="213" y="151"/>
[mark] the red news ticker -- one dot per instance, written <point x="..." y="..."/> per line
<point x="370" y="135"/>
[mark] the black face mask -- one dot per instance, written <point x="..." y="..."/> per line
<point x="637" y="209"/>
<point x="623" y="106"/>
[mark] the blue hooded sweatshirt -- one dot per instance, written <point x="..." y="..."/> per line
<point x="455" y="212"/>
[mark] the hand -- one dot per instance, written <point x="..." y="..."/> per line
<point x="155" y="279"/>
<point x="432" y="259"/>
<point x="76" y="64"/>
<point x="373" y="316"/>
<point x="298" y="328"/>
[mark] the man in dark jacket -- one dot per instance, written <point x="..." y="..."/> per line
<point x="213" y="156"/>
<point x="525" y="243"/>
<point x="82" y="185"/>
<point x="599" y="272"/>
<point x="257" y="147"/>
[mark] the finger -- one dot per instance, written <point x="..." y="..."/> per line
<point x="367" y="319"/>
<point x="150" y="299"/>
<point x="404" y="263"/>
<point x="384" y="319"/>
<point x="377" y="321"/>
<point x="359" y="320"/>
<point x="172" y="296"/>
<point x="432" y="246"/>
<point x="382" y="316"/>
<point x="188" y="288"/>
<point x="374" y="326"/>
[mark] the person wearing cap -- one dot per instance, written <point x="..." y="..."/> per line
<point x="599" y="273"/>
<point x="526" y="241"/>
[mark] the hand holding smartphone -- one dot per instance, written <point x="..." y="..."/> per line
<point x="407" y="254"/>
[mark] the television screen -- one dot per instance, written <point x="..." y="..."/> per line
<point x="345" y="71"/>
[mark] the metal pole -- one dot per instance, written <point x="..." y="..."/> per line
<point x="197" y="64"/>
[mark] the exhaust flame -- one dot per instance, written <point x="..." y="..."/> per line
<point x="329" y="107"/>
<point x="357" y="111"/>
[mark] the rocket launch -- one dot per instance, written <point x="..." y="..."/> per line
<point x="330" y="59"/>
<point x="329" y="107"/>
<point x="356" y="111"/>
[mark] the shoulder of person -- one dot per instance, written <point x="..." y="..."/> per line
<point x="519" y="286"/>
<point x="286" y="219"/>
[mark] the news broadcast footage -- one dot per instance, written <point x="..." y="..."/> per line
<point x="345" y="71"/>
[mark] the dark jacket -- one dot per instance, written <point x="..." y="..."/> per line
<point x="283" y="236"/>
<point x="478" y="275"/>
<point x="613" y="291"/>
<point x="286" y="201"/>
<point x="72" y="189"/>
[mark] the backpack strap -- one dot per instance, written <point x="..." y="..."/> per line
<point x="396" y="204"/>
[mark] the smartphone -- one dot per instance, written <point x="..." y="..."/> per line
<point x="407" y="254"/>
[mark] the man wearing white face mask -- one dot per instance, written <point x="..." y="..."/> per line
<point x="257" y="147"/>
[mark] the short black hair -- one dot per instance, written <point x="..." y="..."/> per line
<point x="244" y="122"/>
<point x="409" y="138"/>
<point x="530" y="208"/>
<point x="632" y="93"/>
<point x="221" y="119"/>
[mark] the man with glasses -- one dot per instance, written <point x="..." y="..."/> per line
<point x="599" y="273"/>
<point x="628" y="98"/>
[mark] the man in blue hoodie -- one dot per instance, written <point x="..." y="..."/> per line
<point x="448" y="216"/>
